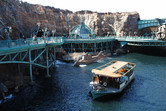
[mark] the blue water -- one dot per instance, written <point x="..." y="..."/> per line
<point x="68" y="89"/>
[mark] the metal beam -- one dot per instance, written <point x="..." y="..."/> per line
<point x="47" y="62"/>
<point x="14" y="62"/>
<point x="51" y="63"/>
<point x="39" y="55"/>
<point x="25" y="56"/>
<point x="40" y="65"/>
<point x="3" y="58"/>
<point x="15" y="56"/>
<point x="30" y="65"/>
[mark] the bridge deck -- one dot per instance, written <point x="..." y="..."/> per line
<point x="138" y="39"/>
<point x="149" y="23"/>
<point x="90" y="40"/>
<point x="141" y="41"/>
<point x="21" y="45"/>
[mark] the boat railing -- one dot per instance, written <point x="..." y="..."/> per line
<point x="127" y="69"/>
<point x="105" y="65"/>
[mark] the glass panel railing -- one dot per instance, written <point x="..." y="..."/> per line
<point x="29" y="42"/>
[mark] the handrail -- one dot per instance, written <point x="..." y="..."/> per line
<point x="29" y="42"/>
<point x="84" y="39"/>
<point x="51" y="40"/>
<point x="138" y="38"/>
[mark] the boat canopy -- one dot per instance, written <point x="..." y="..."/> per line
<point x="111" y="69"/>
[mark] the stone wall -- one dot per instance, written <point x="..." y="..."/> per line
<point x="23" y="17"/>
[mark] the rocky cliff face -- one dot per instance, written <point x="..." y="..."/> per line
<point x="114" y="23"/>
<point x="24" y="17"/>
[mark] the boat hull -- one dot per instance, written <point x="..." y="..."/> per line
<point x="98" y="94"/>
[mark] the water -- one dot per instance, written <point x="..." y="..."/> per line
<point x="68" y="89"/>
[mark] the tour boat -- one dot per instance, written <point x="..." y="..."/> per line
<point x="111" y="78"/>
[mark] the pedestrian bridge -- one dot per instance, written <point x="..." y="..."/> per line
<point x="150" y="23"/>
<point x="21" y="45"/>
<point x="41" y="52"/>
<point x="141" y="41"/>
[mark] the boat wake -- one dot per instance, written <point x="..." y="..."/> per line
<point x="82" y="65"/>
<point x="59" y="62"/>
<point x="100" y="61"/>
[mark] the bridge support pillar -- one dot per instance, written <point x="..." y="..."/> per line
<point x="95" y="47"/>
<point x="101" y="47"/>
<point x="30" y="68"/>
<point x="19" y="69"/>
<point x="47" y="62"/>
<point x="54" y="57"/>
<point x="106" y="46"/>
<point x="71" y="48"/>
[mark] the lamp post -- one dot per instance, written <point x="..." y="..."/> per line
<point x="108" y="34"/>
<point x="8" y="30"/>
<point x="125" y="33"/>
<point x="53" y="32"/>
<point x="38" y="26"/>
<point x="114" y="34"/>
<point x="45" y="30"/>
<point x="135" y="33"/>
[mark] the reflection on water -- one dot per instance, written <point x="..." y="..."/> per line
<point x="6" y="98"/>
<point x="68" y="89"/>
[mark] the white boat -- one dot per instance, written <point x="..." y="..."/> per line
<point x="86" y="58"/>
<point x="111" y="78"/>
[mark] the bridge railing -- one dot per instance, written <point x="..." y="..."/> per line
<point x="29" y="41"/>
<point x="54" y="40"/>
<point x="88" y="39"/>
<point x="136" y="38"/>
<point x="60" y="40"/>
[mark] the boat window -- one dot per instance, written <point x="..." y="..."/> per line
<point x="96" y="79"/>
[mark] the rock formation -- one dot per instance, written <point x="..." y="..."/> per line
<point x="24" y="17"/>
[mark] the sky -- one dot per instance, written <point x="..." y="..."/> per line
<point x="148" y="9"/>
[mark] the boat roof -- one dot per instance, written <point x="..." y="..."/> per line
<point x="110" y="69"/>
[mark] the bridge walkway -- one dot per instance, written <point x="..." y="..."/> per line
<point x="141" y="41"/>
